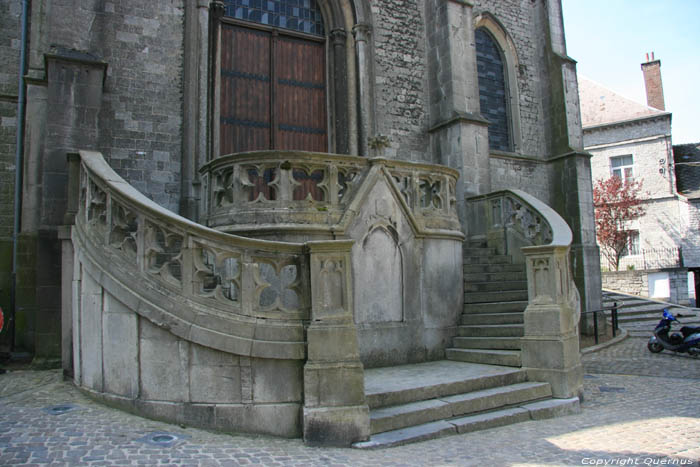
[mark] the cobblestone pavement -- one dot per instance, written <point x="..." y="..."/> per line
<point x="639" y="409"/>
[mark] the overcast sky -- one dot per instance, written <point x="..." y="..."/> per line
<point x="610" y="38"/>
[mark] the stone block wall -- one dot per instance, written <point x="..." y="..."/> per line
<point x="637" y="283"/>
<point x="528" y="175"/>
<point x="10" y="17"/>
<point x="401" y="78"/>
<point x="139" y="122"/>
<point x="631" y="282"/>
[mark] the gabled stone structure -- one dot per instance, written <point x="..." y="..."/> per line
<point x="328" y="159"/>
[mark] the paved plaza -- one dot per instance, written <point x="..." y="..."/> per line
<point x="639" y="409"/>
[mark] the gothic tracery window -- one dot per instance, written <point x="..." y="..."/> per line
<point x="493" y="94"/>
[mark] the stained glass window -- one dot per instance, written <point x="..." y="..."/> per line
<point x="297" y="15"/>
<point x="492" y="90"/>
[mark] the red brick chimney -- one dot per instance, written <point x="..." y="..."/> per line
<point x="652" y="81"/>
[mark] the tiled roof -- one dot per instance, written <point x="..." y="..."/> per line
<point x="687" y="160"/>
<point x="600" y="105"/>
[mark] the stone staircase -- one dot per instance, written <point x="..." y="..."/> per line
<point x="495" y="297"/>
<point x="411" y="403"/>
<point x="639" y="315"/>
<point x="481" y="384"/>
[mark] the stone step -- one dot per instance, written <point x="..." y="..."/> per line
<point x="478" y="251"/>
<point x="417" y="413"/>
<point x="641" y="310"/>
<point x="492" y="268"/>
<point x="650" y="317"/>
<point x="488" y="260"/>
<point x="658" y="313"/>
<point x="631" y="306"/>
<point x="540" y="410"/>
<point x="495" y="307"/>
<point x="502" y="296"/>
<point x="496" y="286"/>
<point x="485" y="356"/>
<point x="495" y="276"/>
<point x="492" y="318"/>
<point x="390" y="386"/>
<point x="500" y="343"/>
<point x="531" y="411"/>
<point x="491" y="330"/>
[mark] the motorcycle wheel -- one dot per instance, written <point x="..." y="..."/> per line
<point x="654" y="347"/>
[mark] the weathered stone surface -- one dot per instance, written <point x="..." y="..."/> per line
<point x="336" y="426"/>
<point x="120" y="348"/>
<point x="276" y="381"/>
<point x="163" y="361"/>
<point x="274" y="419"/>
<point x="553" y="408"/>
<point x="491" y="420"/>
<point x="333" y="384"/>
<point x="91" y="333"/>
<point x="215" y="376"/>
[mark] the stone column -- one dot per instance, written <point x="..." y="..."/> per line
<point x="550" y="346"/>
<point x="335" y="410"/>
<point x="216" y="10"/>
<point x="340" y="76"/>
<point x="365" y="79"/>
<point x="195" y="82"/>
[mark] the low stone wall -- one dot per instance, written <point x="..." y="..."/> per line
<point x="125" y="360"/>
<point x="636" y="282"/>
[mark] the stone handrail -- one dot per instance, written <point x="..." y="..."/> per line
<point x="237" y="294"/>
<point x="515" y="219"/>
<point x="297" y="191"/>
<point x="522" y="226"/>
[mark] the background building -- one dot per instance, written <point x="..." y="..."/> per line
<point x="633" y="141"/>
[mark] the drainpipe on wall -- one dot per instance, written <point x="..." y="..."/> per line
<point x="19" y="150"/>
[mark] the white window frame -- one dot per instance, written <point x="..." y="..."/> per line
<point x="633" y="247"/>
<point x="624" y="170"/>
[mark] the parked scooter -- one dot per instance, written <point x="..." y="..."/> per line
<point x="687" y="341"/>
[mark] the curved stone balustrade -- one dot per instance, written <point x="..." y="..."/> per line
<point x="515" y="213"/>
<point x="522" y="226"/>
<point x="180" y="322"/>
<point x="292" y="191"/>
<point x="232" y="287"/>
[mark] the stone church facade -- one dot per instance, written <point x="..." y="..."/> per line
<point x="349" y="148"/>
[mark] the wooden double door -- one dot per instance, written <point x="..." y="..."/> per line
<point x="273" y="91"/>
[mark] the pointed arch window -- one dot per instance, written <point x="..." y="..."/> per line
<point x="493" y="90"/>
<point x="272" y="75"/>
